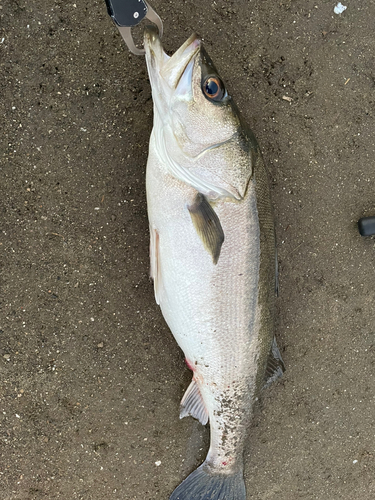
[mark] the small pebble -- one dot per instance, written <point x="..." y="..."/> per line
<point x="158" y="463"/>
<point x="339" y="9"/>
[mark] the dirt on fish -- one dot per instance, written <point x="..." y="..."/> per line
<point x="90" y="376"/>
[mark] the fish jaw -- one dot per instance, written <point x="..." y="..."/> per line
<point x="170" y="77"/>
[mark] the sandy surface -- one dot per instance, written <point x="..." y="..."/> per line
<point x="90" y="376"/>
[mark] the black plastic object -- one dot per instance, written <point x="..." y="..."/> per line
<point x="366" y="226"/>
<point x="127" y="12"/>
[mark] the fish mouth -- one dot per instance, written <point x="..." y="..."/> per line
<point x="173" y="70"/>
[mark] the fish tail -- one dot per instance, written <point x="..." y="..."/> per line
<point x="202" y="484"/>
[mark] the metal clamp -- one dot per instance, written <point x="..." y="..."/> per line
<point x="128" y="13"/>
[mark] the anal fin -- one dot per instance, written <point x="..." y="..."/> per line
<point x="192" y="404"/>
<point x="275" y="365"/>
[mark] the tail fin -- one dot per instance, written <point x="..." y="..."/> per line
<point x="204" y="485"/>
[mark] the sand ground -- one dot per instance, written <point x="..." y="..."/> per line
<point x="90" y="376"/>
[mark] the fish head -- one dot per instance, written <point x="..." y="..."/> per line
<point x="195" y="116"/>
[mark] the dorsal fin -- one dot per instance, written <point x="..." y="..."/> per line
<point x="275" y="365"/>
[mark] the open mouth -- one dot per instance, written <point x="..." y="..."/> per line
<point x="171" y="69"/>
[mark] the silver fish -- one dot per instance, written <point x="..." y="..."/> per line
<point x="212" y="255"/>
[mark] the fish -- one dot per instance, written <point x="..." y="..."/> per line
<point x="212" y="255"/>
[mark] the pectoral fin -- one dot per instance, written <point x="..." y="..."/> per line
<point x="155" y="262"/>
<point x="207" y="225"/>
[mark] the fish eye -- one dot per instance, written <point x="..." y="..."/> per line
<point x="213" y="88"/>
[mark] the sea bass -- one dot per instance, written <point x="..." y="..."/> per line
<point x="212" y="255"/>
